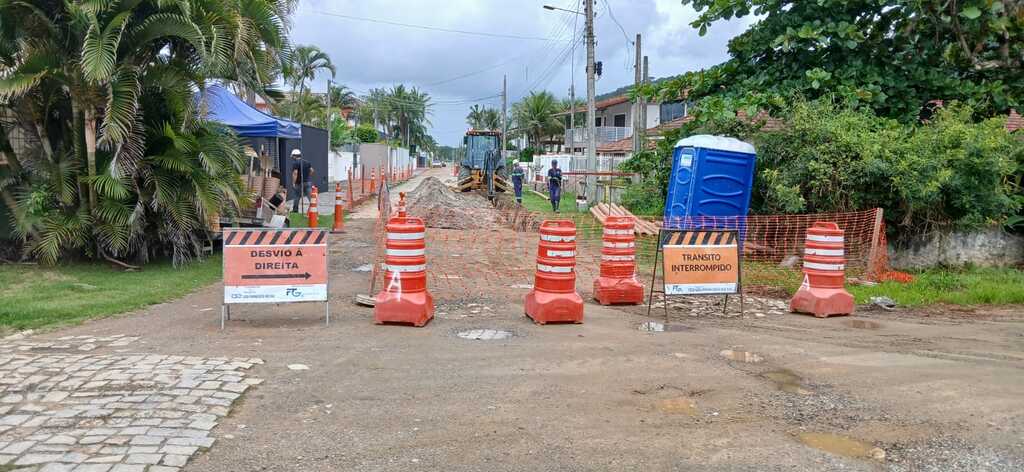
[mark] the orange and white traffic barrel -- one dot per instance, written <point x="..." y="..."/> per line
<point x="617" y="283"/>
<point x="554" y="298"/>
<point x="404" y="299"/>
<point x="823" y="291"/>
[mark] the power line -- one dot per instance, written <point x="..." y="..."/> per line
<point x="436" y="28"/>
<point x="612" y="15"/>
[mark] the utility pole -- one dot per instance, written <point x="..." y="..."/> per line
<point x="643" y="106"/>
<point x="572" y="117"/>
<point x="638" y="102"/>
<point x="329" y="120"/>
<point x="504" y="113"/>
<point x="591" y="106"/>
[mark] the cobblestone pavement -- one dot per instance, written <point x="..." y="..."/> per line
<point x="63" y="408"/>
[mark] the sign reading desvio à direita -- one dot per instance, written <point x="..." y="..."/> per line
<point x="275" y="265"/>
<point x="701" y="262"/>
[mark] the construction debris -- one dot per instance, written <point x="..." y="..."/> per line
<point x="642" y="227"/>
<point x="441" y="207"/>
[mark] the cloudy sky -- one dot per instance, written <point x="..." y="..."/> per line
<point x="530" y="45"/>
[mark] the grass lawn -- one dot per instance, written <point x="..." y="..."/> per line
<point x="534" y="202"/>
<point x="299" y="220"/>
<point x="37" y="296"/>
<point x="978" y="286"/>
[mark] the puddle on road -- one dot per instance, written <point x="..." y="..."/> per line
<point x="841" y="445"/>
<point x="787" y="381"/>
<point x="681" y="405"/>
<point x="862" y="324"/>
<point x="741" y="356"/>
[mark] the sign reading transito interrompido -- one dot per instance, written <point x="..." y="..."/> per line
<point x="701" y="262"/>
<point x="275" y="265"/>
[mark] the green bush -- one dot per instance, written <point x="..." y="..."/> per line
<point x="644" y="199"/>
<point x="526" y="155"/>
<point x="951" y="172"/>
<point x="367" y="134"/>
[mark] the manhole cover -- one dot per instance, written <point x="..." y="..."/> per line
<point x="485" y="334"/>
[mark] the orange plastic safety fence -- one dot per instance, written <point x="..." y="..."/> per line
<point x="477" y="251"/>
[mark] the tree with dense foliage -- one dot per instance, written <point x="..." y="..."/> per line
<point x="109" y="155"/>
<point x="950" y="172"/>
<point x="304" y="64"/>
<point x="535" y="116"/>
<point x="892" y="56"/>
<point x="403" y="111"/>
<point x="483" y="118"/>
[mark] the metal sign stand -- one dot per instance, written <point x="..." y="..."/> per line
<point x="225" y="310"/>
<point x="659" y="261"/>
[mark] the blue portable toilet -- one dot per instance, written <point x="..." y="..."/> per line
<point x="711" y="176"/>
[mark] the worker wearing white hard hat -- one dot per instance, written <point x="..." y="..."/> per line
<point x="301" y="184"/>
<point x="517" y="180"/>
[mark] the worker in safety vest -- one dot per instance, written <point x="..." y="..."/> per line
<point x="517" y="181"/>
<point x="554" y="185"/>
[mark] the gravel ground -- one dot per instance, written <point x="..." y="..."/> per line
<point x="935" y="393"/>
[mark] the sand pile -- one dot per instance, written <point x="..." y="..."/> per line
<point x="440" y="207"/>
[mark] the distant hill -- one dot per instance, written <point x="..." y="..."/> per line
<point x="625" y="88"/>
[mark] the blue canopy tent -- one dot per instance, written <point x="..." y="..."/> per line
<point x="267" y="133"/>
<point x="225" y="107"/>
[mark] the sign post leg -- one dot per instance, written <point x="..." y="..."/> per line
<point x="725" y="306"/>
<point x="654" y="274"/>
<point x="327" y="308"/>
<point x="223" y="315"/>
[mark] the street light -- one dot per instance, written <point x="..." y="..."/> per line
<point x="549" y="7"/>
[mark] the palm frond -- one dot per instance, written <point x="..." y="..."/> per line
<point x="99" y="49"/>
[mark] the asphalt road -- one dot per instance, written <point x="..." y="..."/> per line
<point x="929" y="393"/>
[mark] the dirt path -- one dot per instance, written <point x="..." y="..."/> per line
<point x="777" y="392"/>
<point x="368" y="210"/>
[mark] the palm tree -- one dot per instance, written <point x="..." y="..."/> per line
<point x="409" y="109"/>
<point x="484" y="118"/>
<point x="341" y="96"/>
<point x="305" y="63"/>
<point x="535" y="117"/>
<point x="103" y="86"/>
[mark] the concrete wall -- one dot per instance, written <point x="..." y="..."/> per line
<point x="339" y="165"/>
<point x="986" y="248"/>
<point x="375" y="155"/>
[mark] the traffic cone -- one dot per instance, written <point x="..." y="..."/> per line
<point x="314" y="197"/>
<point x="339" y="209"/>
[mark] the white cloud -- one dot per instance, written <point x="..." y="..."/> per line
<point x="371" y="54"/>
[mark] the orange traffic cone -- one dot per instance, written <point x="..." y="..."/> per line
<point x="314" y="196"/>
<point x="339" y="210"/>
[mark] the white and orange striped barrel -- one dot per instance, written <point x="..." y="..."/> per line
<point x="825" y="256"/>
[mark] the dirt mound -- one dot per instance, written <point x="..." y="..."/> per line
<point x="440" y="207"/>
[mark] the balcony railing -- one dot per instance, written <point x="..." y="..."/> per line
<point x="605" y="134"/>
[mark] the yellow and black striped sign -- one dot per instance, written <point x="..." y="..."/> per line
<point x="698" y="238"/>
<point x="274" y="237"/>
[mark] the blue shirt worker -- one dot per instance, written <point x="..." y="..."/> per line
<point x="517" y="181"/>
<point x="555" y="185"/>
